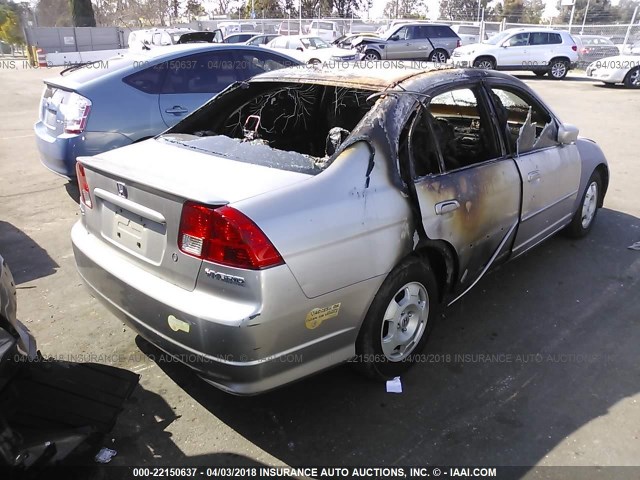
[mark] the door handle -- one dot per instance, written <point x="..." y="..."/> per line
<point x="176" y="110"/>
<point x="447" y="206"/>
<point x="535" y="175"/>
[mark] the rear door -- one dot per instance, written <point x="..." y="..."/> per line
<point x="192" y="80"/>
<point x="550" y="171"/>
<point x="468" y="188"/>
<point x="538" y="53"/>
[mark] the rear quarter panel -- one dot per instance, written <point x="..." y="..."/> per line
<point x="118" y="107"/>
<point x="332" y="230"/>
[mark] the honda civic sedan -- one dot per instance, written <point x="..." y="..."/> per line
<point x="103" y="105"/>
<point x="314" y="216"/>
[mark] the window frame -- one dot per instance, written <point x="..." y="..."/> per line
<point x="488" y="84"/>
<point x="197" y="56"/>
<point x="476" y="87"/>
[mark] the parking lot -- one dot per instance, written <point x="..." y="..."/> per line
<point x="538" y="365"/>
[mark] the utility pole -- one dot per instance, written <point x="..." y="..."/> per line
<point x="584" y="20"/>
<point x="633" y="19"/>
<point x="573" y="10"/>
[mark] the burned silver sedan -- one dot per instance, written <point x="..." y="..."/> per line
<point x="313" y="216"/>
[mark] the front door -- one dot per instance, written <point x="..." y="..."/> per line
<point x="467" y="187"/>
<point x="550" y="171"/>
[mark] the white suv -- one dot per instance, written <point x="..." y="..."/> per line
<point x="328" y="31"/>
<point x="540" y="50"/>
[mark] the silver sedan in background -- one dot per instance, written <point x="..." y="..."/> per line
<point x="316" y="216"/>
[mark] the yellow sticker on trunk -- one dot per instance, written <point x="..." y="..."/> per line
<point x="318" y="315"/>
<point x="176" y="324"/>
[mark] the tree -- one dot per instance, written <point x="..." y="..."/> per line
<point x="599" y="12"/>
<point x="316" y="8"/>
<point x="268" y="8"/>
<point x="533" y="11"/>
<point x="461" y="9"/>
<point x="344" y="8"/>
<point x="623" y="12"/>
<point x="194" y="9"/>
<point x="10" y="25"/>
<point x="53" y="13"/>
<point x="82" y="13"/>
<point x="405" y="9"/>
<point x="513" y="10"/>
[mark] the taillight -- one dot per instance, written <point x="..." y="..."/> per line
<point x="83" y="186"/>
<point x="574" y="48"/>
<point x="458" y="43"/>
<point x="75" y="111"/>
<point x="224" y="235"/>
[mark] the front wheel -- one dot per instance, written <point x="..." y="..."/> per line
<point x="632" y="79"/>
<point x="558" y="69"/>
<point x="585" y="216"/>
<point x="485" y="63"/>
<point x="371" y="56"/>
<point x="398" y="323"/>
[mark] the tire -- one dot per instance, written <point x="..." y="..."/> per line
<point x="409" y="295"/>
<point x="539" y="73"/>
<point x="438" y="56"/>
<point x="632" y="78"/>
<point x="371" y="56"/>
<point x="485" y="63"/>
<point x="314" y="61"/>
<point x="585" y="216"/>
<point x="558" y="69"/>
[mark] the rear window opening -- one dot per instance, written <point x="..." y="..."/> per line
<point x="294" y="126"/>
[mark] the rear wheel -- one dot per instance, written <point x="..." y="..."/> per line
<point x="558" y="69"/>
<point x="438" y="56"/>
<point x="632" y="79"/>
<point x="585" y="216"/>
<point x="398" y="322"/>
<point x="486" y="63"/>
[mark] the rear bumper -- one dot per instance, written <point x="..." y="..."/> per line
<point x="59" y="153"/>
<point x="240" y="347"/>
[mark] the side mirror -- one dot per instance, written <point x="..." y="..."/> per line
<point x="505" y="45"/>
<point x="394" y="37"/>
<point x="300" y="49"/>
<point x="567" y="134"/>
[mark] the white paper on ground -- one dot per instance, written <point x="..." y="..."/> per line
<point x="394" y="386"/>
<point x="105" y="455"/>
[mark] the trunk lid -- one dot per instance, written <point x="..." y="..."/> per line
<point x="138" y="193"/>
<point x="53" y="97"/>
